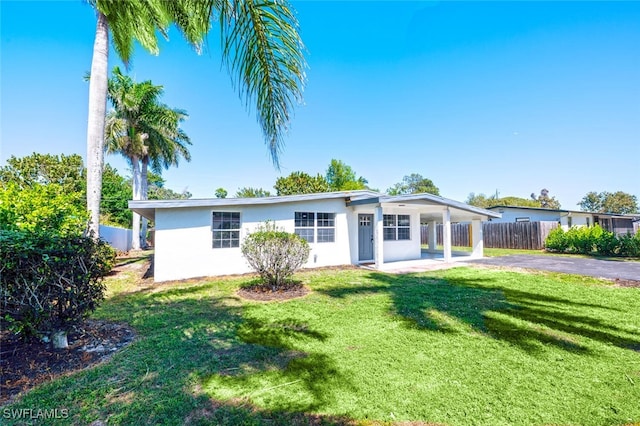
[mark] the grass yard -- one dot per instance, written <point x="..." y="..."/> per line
<point x="456" y="347"/>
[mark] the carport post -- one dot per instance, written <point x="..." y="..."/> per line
<point x="433" y="236"/>
<point x="378" y="243"/>
<point x="446" y="234"/>
<point x="477" y="239"/>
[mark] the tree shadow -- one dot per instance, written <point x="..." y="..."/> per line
<point x="188" y="338"/>
<point x="527" y="320"/>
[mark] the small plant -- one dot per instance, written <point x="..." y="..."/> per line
<point x="274" y="254"/>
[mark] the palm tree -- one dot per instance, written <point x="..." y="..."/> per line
<point x="145" y="132"/>
<point x="261" y="47"/>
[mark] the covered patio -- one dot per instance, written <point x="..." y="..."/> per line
<point x="431" y="210"/>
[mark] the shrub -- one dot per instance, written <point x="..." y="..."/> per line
<point x="629" y="245"/>
<point x="582" y="239"/>
<point x="274" y="253"/>
<point x="50" y="281"/>
<point x="42" y="208"/>
<point x="607" y="244"/>
<point x="557" y="241"/>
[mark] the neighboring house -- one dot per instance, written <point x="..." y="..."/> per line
<point x="618" y="223"/>
<point x="195" y="238"/>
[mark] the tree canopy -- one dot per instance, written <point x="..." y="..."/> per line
<point x="414" y="184"/>
<point x="301" y="183"/>
<point x="544" y="200"/>
<point x="65" y="170"/>
<point x="607" y="202"/>
<point x="341" y="177"/>
<point x="221" y="193"/>
<point x="483" y="201"/>
<point x="249" y="192"/>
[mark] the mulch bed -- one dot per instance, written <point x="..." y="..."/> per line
<point x="265" y="293"/>
<point x="27" y="363"/>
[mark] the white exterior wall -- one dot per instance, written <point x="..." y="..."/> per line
<point x="393" y="250"/>
<point x="184" y="239"/>
<point x="577" y="218"/>
<point x="511" y="214"/>
<point x="404" y="249"/>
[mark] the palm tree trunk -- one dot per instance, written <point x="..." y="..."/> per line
<point x="137" y="195"/>
<point x="96" y="122"/>
<point x="144" y="183"/>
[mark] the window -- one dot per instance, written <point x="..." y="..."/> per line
<point x="522" y="219"/>
<point x="315" y="227"/>
<point x="304" y="223"/>
<point x="226" y="229"/>
<point x="396" y="227"/>
<point x="326" y="227"/>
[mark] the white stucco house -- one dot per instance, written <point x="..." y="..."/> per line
<point x="618" y="223"/>
<point x="202" y="237"/>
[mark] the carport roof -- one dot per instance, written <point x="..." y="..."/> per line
<point x="429" y="205"/>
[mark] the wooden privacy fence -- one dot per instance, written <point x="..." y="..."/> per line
<point x="514" y="235"/>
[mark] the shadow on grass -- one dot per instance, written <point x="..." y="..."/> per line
<point x="186" y="337"/>
<point x="527" y="320"/>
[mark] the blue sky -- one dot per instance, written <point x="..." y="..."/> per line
<point x="477" y="96"/>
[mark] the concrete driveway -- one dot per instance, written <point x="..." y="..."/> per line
<point x="571" y="265"/>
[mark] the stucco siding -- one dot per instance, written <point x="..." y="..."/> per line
<point x="184" y="238"/>
<point x="403" y="249"/>
<point x="513" y="214"/>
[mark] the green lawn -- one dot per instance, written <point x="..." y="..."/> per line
<point x="461" y="346"/>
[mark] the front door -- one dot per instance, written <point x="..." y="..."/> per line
<point x="365" y="237"/>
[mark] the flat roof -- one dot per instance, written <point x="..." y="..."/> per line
<point x="619" y="215"/>
<point x="147" y="208"/>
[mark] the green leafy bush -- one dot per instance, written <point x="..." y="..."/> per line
<point x="50" y="281"/>
<point x="557" y="241"/>
<point x="607" y="244"/>
<point x="582" y="239"/>
<point x="42" y="208"/>
<point x="274" y="253"/>
<point x="587" y="240"/>
<point x="629" y="245"/>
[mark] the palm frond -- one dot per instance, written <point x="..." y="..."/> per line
<point x="264" y="53"/>
<point x="135" y="19"/>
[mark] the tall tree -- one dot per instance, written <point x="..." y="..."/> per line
<point x="607" y="202"/>
<point x="146" y="132"/>
<point x="545" y="201"/>
<point x="414" y="184"/>
<point x="341" y="177"/>
<point x="249" y="192"/>
<point x="301" y="183"/>
<point x="261" y="47"/>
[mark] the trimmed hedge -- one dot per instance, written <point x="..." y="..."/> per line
<point x="48" y="281"/>
<point x="593" y="240"/>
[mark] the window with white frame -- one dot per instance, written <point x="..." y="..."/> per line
<point x="396" y="227"/>
<point x="315" y="227"/>
<point x="226" y="229"/>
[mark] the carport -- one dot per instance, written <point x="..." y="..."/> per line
<point x="432" y="210"/>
